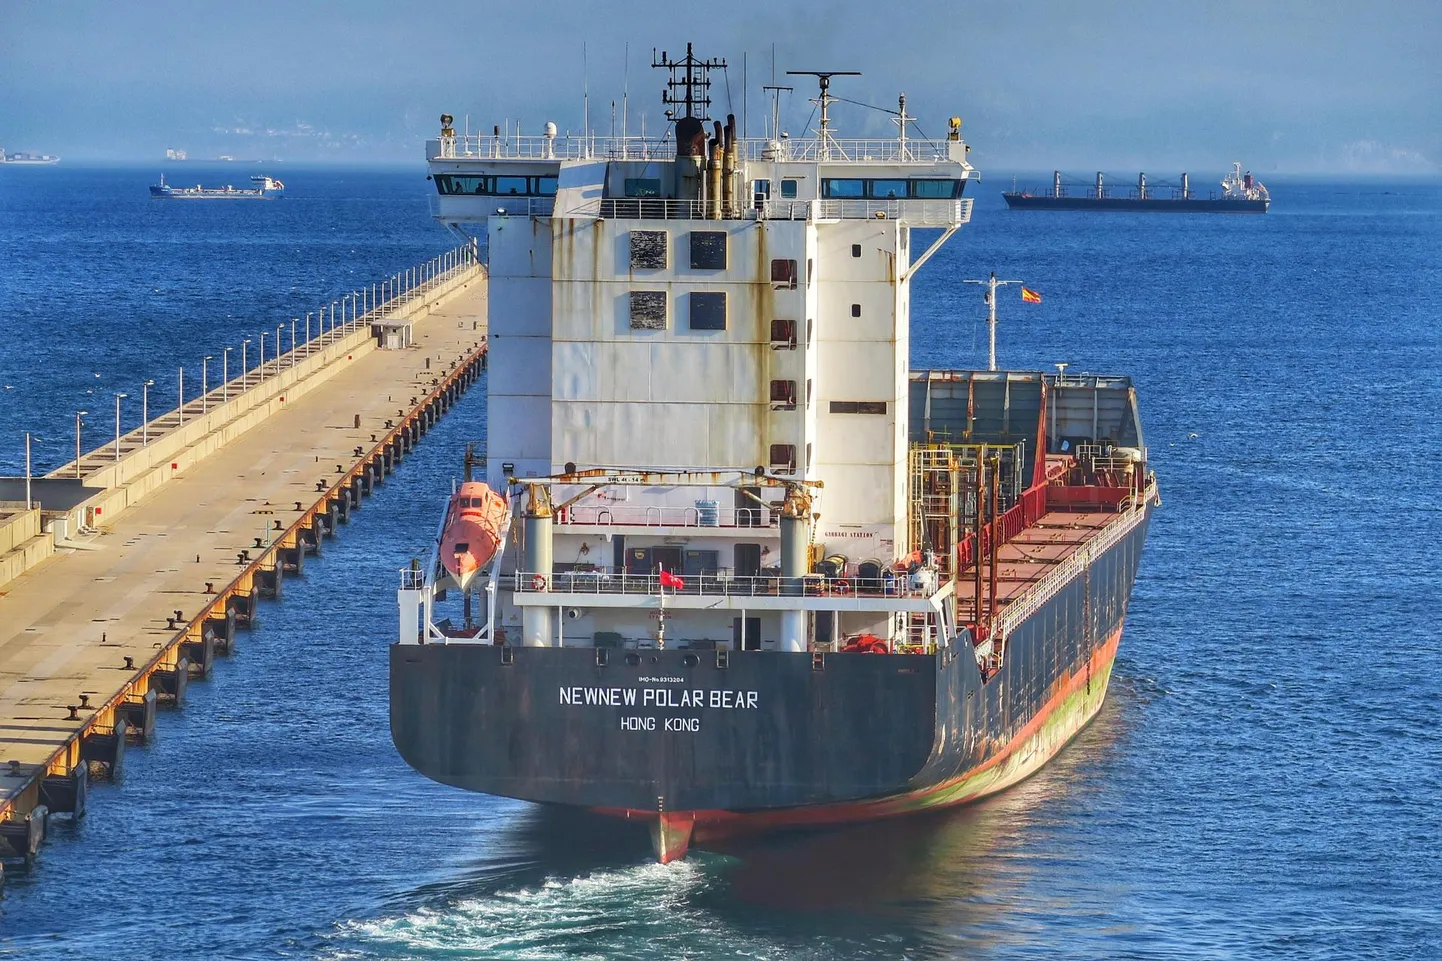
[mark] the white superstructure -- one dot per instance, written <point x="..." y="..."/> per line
<point x="729" y="315"/>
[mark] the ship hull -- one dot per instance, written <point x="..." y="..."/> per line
<point x="728" y="742"/>
<point x="1224" y="205"/>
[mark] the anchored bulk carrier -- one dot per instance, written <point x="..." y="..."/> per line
<point x="740" y="567"/>
<point x="1241" y="194"/>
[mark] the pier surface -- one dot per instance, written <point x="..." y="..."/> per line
<point x="185" y="546"/>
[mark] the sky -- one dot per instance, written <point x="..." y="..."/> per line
<point x="1296" y="86"/>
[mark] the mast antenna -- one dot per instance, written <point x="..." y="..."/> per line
<point x="823" y="101"/>
<point x="991" y="284"/>
<point x="688" y="92"/>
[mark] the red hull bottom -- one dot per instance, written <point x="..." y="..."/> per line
<point x="1074" y="701"/>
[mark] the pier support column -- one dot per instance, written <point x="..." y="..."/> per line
<point x="795" y="565"/>
<point x="536" y="626"/>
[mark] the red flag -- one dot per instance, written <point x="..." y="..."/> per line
<point x="671" y="580"/>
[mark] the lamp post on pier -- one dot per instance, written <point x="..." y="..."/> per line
<point x="118" y="398"/>
<point x="225" y="374"/>
<point x="180" y="396"/>
<point x="78" y="414"/>
<point x="144" y="414"/>
<point x="262" y="356"/>
<point x="244" y="365"/>
<point x="278" y="329"/>
<point x="293" y="322"/>
<point x="307" y="332"/>
<point x="27" y="470"/>
<point x="205" y="382"/>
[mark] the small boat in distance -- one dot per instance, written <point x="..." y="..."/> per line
<point x="265" y="188"/>
<point x="475" y="523"/>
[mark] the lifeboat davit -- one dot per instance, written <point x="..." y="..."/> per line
<point x="475" y="523"/>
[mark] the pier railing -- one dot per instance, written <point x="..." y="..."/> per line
<point x="320" y="330"/>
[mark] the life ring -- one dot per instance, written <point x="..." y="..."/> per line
<point x="538" y="583"/>
<point x="842" y="586"/>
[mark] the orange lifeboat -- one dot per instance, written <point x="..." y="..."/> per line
<point x="475" y="524"/>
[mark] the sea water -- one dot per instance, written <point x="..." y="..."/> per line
<point x="1265" y="779"/>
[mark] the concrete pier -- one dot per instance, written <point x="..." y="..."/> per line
<point x="128" y="581"/>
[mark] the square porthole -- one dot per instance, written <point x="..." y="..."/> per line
<point x="648" y="310"/>
<point x="708" y="250"/>
<point x="708" y="310"/>
<point x="648" y="250"/>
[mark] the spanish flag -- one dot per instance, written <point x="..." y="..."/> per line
<point x="1030" y="296"/>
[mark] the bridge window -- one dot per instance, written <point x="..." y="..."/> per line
<point x="937" y="189"/>
<point x="843" y="189"/>
<point x="886" y="189"/>
<point x="492" y="186"/>
<point x="708" y="309"/>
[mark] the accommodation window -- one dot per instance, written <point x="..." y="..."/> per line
<point x="783" y="334"/>
<point x="808" y="392"/>
<point x="708" y="310"/>
<point x="708" y="250"/>
<point x="642" y="187"/>
<point x="648" y="250"/>
<point x="783" y="273"/>
<point x="783" y="395"/>
<point x="648" y="310"/>
<point x="783" y="457"/>
<point x="788" y="190"/>
<point x="856" y="310"/>
<point x="858" y="407"/>
<point x="856" y="250"/>
<point x="808" y="331"/>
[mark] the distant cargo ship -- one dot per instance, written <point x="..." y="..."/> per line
<point x="31" y="159"/>
<point x="1241" y="194"/>
<point x="266" y="189"/>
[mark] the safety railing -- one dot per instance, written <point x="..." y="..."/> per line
<point x="741" y="517"/>
<point x="568" y="147"/>
<point x="716" y="583"/>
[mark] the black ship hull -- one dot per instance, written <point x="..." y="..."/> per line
<point x="1219" y="205"/>
<point x="726" y="742"/>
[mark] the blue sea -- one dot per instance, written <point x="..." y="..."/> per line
<point x="1264" y="781"/>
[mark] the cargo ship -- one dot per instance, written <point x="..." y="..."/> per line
<point x="266" y="188"/>
<point x="741" y="568"/>
<point x="28" y="159"/>
<point x="1241" y="194"/>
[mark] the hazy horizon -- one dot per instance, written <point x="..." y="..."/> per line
<point x="1289" y="87"/>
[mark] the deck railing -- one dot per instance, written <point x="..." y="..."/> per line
<point x="531" y="147"/>
<point x="716" y="583"/>
<point x="742" y="517"/>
